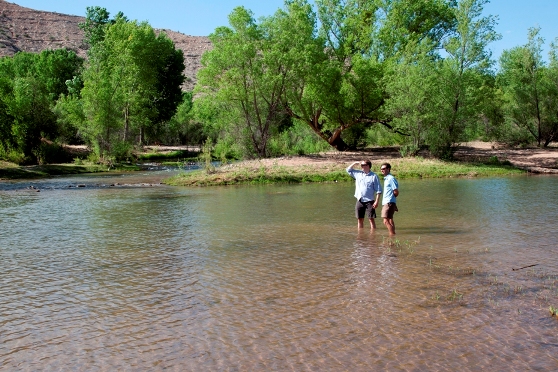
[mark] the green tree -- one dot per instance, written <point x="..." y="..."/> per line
<point x="96" y="18"/>
<point x="182" y="129"/>
<point x="245" y="81"/>
<point x="411" y="104"/>
<point x="30" y="86"/>
<point x="131" y="83"/>
<point x="411" y="22"/>
<point x="460" y="76"/>
<point x="6" y="97"/>
<point x="531" y="90"/>
<point x="345" y="87"/>
<point x="330" y="77"/>
<point x="349" y="89"/>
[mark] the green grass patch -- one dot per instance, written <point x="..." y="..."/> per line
<point x="432" y="168"/>
<point x="10" y="171"/>
<point x="253" y="172"/>
<point x="41" y="171"/>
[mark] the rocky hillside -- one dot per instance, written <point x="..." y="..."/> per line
<point x="24" y="29"/>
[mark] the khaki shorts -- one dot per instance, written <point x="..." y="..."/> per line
<point x="388" y="210"/>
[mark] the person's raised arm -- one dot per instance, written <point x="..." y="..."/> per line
<point x="350" y="167"/>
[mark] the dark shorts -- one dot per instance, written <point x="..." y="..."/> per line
<point x="388" y="210"/>
<point x="365" y="209"/>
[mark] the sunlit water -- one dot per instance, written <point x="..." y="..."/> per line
<point x="124" y="273"/>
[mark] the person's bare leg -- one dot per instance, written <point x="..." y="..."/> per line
<point x="361" y="223"/>
<point x="392" y="224"/>
<point x="388" y="222"/>
<point x="372" y="223"/>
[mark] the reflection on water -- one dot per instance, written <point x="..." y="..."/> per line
<point x="278" y="278"/>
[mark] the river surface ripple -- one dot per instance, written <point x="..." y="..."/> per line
<point x="123" y="273"/>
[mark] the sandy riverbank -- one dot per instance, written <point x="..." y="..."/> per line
<point x="535" y="160"/>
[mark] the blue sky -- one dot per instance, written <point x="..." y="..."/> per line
<point x="201" y="17"/>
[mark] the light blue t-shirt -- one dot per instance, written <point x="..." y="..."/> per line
<point x="366" y="185"/>
<point x="390" y="184"/>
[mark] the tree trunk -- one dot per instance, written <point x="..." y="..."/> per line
<point x="338" y="143"/>
<point x="126" y="123"/>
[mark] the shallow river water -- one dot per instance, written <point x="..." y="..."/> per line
<point x="123" y="273"/>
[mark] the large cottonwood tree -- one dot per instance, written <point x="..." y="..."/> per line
<point x="327" y="67"/>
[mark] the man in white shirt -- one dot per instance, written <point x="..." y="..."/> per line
<point x="367" y="192"/>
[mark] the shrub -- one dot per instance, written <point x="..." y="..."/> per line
<point x="409" y="150"/>
<point x="12" y="155"/>
<point x="49" y="153"/>
<point x="121" y="151"/>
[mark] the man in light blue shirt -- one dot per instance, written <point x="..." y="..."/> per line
<point x="367" y="192"/>
<point x="391" y="191"/>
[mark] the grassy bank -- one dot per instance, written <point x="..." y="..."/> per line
<point x="265" y="172"/>
<point x="11" y="171"/>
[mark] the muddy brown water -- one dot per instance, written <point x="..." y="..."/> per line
<point x="141" y="276"/>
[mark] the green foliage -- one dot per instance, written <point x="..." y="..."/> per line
<point x="131" y="86"/>
<point x="51" y="153"/>
<point x="411" y="84"/>
<point x="242" y="84"/>
<point x="206" y="156"/>
<point x="93" y="157"/>
<point x="415" y="22"/>
<point x="182" y="128"/>
<point x="530" y="92"/>
<point x="11" y="155"/>
<point x="355" y="136"/>
<point x="409" y="150"/>
<point x="70" y="117"/>
<point x="227" y="148"/>
<point x="129" y="90"/>
<point x="460" y="77"/>
<point x="29" y="86"/>
<point x="169" y="69"/>
<point x="332" y="77"/>
<point x="340" y="84"/>
<point x="380" y="135"/>
<point x="122" y="151"/>
<point x="298" y="140"/>
<point x="96" y="18"/>
<point x="6" y="120"/>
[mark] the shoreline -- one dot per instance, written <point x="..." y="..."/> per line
<point x="473" y="159"/>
